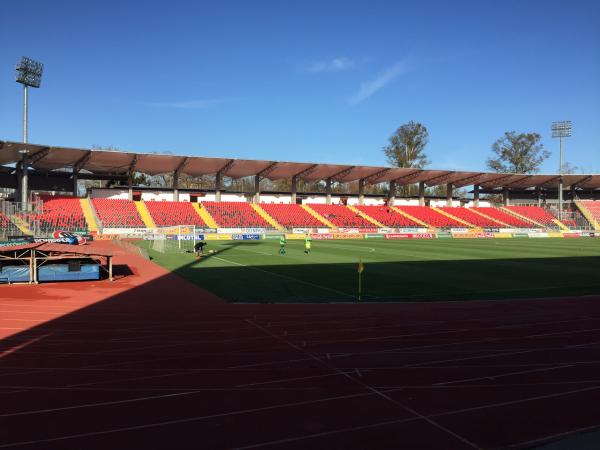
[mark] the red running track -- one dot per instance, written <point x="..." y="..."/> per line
<point x="151" y="361"/>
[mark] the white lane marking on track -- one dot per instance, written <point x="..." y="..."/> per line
<point x="284" y="276"/>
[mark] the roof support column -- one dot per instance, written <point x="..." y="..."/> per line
<point x="130" y="186"/>
<point x="421" y="193"/>
<point x="294" y="188"/>
<point x="256" y="189"/>
<point x="392" y="193"/>
<point x="505" y="198"/>
<point x="538" y="195"/>
<point x="176" y="186"/>
<point x="24" y="187"/>
<point x="560" y="199"/>
<point x="328" y="191"/>
<point x="218" y="186"/>
<point x="476" y="196"/>
<point x="449" y="192"/>
<point x="361" y="191"/>
<point x="75" y="183"/>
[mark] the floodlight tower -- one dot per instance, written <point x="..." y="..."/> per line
<point x="29" y="74"/>
<point x="561" y="130"/>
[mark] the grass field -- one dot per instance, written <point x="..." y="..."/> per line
<point x="408" y="270"/>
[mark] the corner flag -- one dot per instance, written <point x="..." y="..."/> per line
<point x="360" y="268"/>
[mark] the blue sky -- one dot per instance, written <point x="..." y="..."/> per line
<point x="324" y="81"/>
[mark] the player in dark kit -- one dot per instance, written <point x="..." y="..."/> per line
<point x="199" y="249"/>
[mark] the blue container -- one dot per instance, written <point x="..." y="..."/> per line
<point x="60" y="272"/>
<point x="14" y="274"/>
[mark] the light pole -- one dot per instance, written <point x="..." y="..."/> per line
<point x="29" y="74"/>
<point x="561" y="130"/>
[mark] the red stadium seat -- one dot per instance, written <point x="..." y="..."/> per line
<point x="235" y="215"/>
<point x="117" y="213"/>
<point x="471" y="217"/>
<point x="540" y="215"/>
<point x="387" y="216"/>
<point x="431" y="217"/>
<point x="593" y="207"/>
<point x="504" y="217"/>
<point x="291" y="215"/>
<point x="166" y="214"/>
<point x="341" y="216"/>
<point x="61" y="213"/>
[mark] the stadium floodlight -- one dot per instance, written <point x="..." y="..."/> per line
<point x="29" y="74"/>
<point x="561" y="130"/>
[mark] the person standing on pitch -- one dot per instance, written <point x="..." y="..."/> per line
<point x="199" y="249"/>
<point x="307" y="242"/>
<point x="282" y="245"/>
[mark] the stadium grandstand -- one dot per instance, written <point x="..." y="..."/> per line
<point x="528" y="201"/>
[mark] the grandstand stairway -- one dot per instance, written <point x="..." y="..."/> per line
<point x="407" y="215"/>
<point x="204" y="214"/>
<point x="90" y="215"/>
<point x="366" y="216"/>
<point x="21" y="224"/>
<point x="524" y="218"/>
<point x="318" y="216"/>
<point x="491" y="218"/>
<point x="261" y="212"/>
<point x="589" y="216"/>
<point x="458" y="219"/>
<point x="145" y="214"/>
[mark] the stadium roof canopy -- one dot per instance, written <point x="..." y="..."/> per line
<point x="105" y="162"/>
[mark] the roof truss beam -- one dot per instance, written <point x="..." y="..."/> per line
<point x="267" y="170"/>
<point x="406" y="179"/>
<point x="307" y="171"/>
<point x="341" y="174"/>
<point x="372" y="179"/>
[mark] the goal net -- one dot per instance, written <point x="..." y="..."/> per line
<point x="175" y="239"/>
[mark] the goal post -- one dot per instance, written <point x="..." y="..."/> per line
<point x="174" y="239"/>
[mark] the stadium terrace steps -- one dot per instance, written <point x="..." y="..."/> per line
<point x="366" y="216"/>
<point x="318" y="216"/>
<point x="453" y="217"/>
<point x="89" y="214"/>
<point x="537" y="215"/>
<point x="385" y="215"/>
<point x="588" y="213"/>
<point x="117" y="213"/>
<point x="341" y="215"/>
<point x="168" y="214"/>
<point x="408" y="216"/>
<point x="291" y="215"/>
<point x="205" y="216"/>
<point x="522" y="217"/>
<point x="21" y="224"/>
<point x="145" y="214"/>
<point x="561" y="225"/>
<point x="490" y="217"/>
<point x="430" y="216"/>
<point x="235" y="215"/>
<point x="261" y="212"/>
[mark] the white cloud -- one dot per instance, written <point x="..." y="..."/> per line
<point x="190" y="104"/>
<point x="368" y="88"/>
<point x="333" y="65"/>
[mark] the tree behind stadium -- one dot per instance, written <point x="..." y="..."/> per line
<point x="518" y="153"/>
<point x="407" y="145"/>
<point x="406" y="149"/>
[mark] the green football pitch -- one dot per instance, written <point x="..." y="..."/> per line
<point x="407" y="270"/>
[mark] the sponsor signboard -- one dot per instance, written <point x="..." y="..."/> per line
<point x="253" y="230"/>
<point x="300" y="230"/>
<point x="409" y="236"/>
<point x="374" y="236"/>
<point x="347" y="235"/>
<point x="554" y="234"/>
<point x="443" y="234"/>
<point x="571" y="235"/>
<point x="217" y="237"/>
<point x="538" y="235"/>
<point x="323" y="230"/>
<point x="127" y="231"/>
<point x="246" y="237"/>
<point x="502" y="235"/>
<point x="294" y="236"/>
<point x="321" y="236"/>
